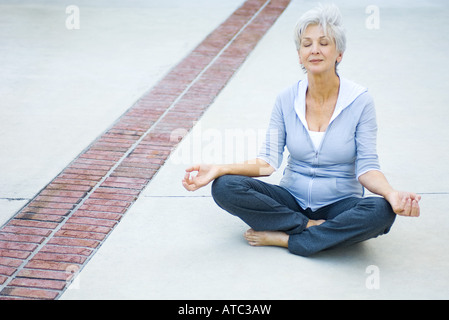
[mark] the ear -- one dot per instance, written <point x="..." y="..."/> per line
<point x="339" y="57"/>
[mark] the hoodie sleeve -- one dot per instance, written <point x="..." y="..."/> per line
<point x="366" y="138"/>
<point x="272" y="148"/>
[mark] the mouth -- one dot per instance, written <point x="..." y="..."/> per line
<point x="315" y="60"/>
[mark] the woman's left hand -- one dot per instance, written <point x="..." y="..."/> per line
<point x="404" y="203"/>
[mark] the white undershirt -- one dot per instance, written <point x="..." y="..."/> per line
<point x="317" y="137"/>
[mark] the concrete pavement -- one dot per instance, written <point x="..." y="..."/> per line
<point x="172" y="244"/>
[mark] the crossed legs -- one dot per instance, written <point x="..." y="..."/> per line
<point x="276" y="218"/>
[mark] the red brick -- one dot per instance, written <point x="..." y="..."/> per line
<point x="86" y="166"/>
<point x="110" y="147"/>
<point x="79" y="171"/>
<point x="157" y="104"/>
<point x="141" y="160"/>
<point x="63" y="193"/>
<point x="113" y="196"/>
<point x="107" y="154"/>
<point x="151" y="151"/>
<point x="99" y="156"/>
<point x="18" y="254"/>
<point x="104" y="202"/>
<point x="92" y="221"/>
<point x="145" y="157"/>
<point x="30" y="293"/>
<point x="40" y="217"/>
<point x="45" y="274"/>
<point x="7" y="271"/>
<point x="21" y="238"/>
<point x="122" y="141"/>
<point x="10" y="262"/>
<point x="83" y="177"/>
<point x="66" y="250"/>
<point x="71" y="185"/>
<point x="68" y="200"/>
<point x="38" y="283"/>
<point x="41" y="210"/>
<point x="148" y="114"/>
<point x="120" y="132"/>
<point x="60" y="257"/>
<point x="86" y="228"/>
<point x="108" y="209"/>
<point x="127" y="180"/>
<point x="80" y="234"/>
<point x="108" y="190"/>
<point x="125" y="172"/>
<point x="32" y="224"/>
<point x="47" y="265"/>
<point x="74" y="242"/>
<point x="123" y="185"/>
<point x="132" y="126"/>
<point x="97" y="215"/>
<point x="140" y="164"/>
<point x="51" y="205"/>
<point x="109" y="163"/>
<point x="129" y="135"/>
<point x="14" y="245"/>
<point x="27" y="230"/>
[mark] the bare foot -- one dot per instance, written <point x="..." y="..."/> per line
<point x="273" y="238"/>
<point x="267" y="238"/>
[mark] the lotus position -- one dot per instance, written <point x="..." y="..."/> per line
<point x="328" y="124"/>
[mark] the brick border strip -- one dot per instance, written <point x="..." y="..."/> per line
<point x="51" y="239"/>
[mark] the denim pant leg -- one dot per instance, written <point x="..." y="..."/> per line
<point x="261" y="205"/>
<point x="348" y="221"/>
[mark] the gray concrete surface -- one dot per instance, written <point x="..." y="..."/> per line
<point x="178" y="245"/>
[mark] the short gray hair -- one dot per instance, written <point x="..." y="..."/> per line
<point x="329" y="18"/>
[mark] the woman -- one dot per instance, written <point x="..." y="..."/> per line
<point x="329" y="126"/>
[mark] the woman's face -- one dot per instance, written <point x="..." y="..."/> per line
<point x="318" y="52"/>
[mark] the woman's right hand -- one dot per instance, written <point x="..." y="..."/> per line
<point x="205" y="173"/>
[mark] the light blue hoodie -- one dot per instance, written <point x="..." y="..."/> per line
<point x="320" y="177"/>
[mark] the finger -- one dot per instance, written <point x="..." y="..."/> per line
<point x="195" y="167"/>
<point x="401" y="206"/>
<point x="408" y="207"/>
<point x="415" y="209"/>
<point x="189" y="186"/>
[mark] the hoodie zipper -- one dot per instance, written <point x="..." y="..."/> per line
<point x="314" y="166"/>
<point x="315" y="162"/>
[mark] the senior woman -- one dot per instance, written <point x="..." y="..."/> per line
<point x="329" y="126"/>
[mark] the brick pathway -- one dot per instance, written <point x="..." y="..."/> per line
<point x="50" y="240"/>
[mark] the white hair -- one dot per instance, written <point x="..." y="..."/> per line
<point x="329" y="18"/>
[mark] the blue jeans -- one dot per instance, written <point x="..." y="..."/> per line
<point x="265" y="206"/>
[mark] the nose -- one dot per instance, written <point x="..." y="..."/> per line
<point x="315" y="48"/>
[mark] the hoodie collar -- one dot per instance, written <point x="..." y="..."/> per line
<point x="348" y="92"/>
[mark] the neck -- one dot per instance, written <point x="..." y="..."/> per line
<point x="322" y="87"/>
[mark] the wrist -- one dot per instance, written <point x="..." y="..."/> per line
<point x="389" y="194"/>
<point x="220" y="170"/>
